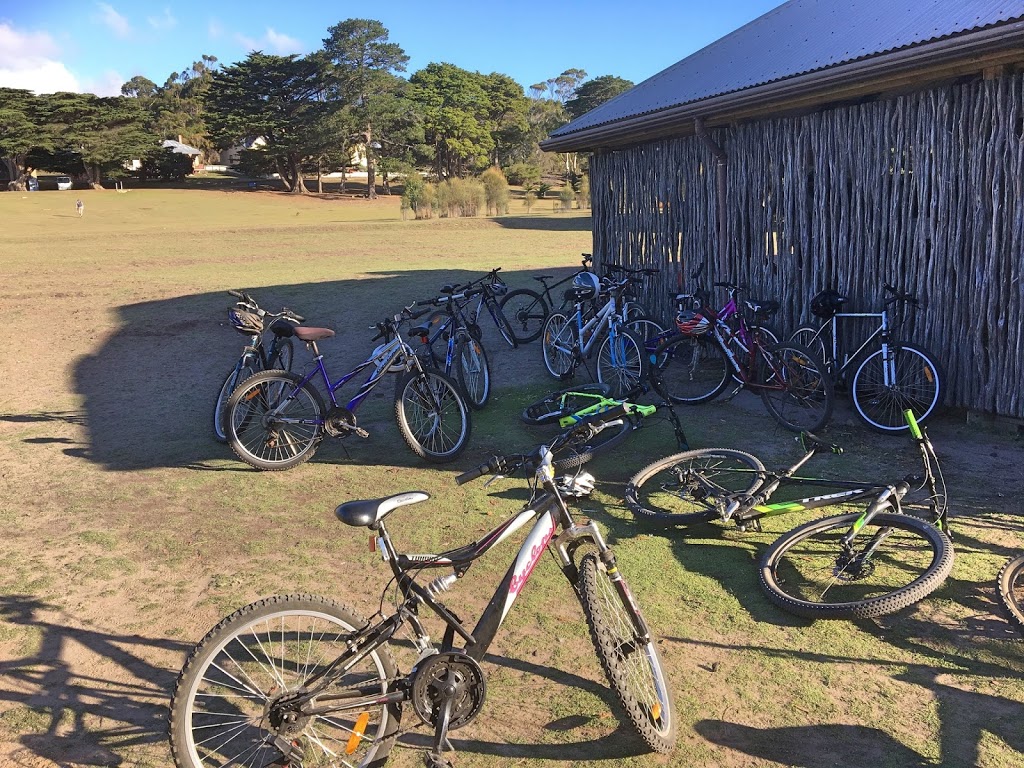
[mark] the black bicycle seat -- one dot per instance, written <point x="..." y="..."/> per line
<point x="542" y="278"/>
<point x="367" y="513"/>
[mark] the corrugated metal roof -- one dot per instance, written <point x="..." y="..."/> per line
<point x="799" y="37"/>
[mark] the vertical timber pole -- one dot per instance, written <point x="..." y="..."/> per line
<point x="721" y="182"/>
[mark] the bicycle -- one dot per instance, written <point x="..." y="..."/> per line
<point x="569" y="407"/>
<point x="304" y="680"/>
<point x="278" y="419"/>
<point x="529" y="309"/>
<point x="851" y="565"/>
<point x="568" y="340"/>
<point x="697" y="364"/>
<point x="896" y="376"/>
<point x="490" y="287"/>
<point x="248" y="318"/>
<point x="463" y="351"/>
<point x="1010" y="588"/>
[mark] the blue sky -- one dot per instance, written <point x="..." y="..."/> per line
<point x="50" y="45"/>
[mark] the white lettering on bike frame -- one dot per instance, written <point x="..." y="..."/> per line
<point x="534" y="546"/>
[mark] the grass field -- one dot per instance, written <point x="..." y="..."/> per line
<point x="128" y="532"/>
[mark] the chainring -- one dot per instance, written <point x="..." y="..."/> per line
<point x="340" y="421"/>
<point x="455" y="669"/>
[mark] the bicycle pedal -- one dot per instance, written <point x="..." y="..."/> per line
<point x="733" y="394"/>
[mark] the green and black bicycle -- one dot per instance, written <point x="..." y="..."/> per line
<point x="850" y="565"/>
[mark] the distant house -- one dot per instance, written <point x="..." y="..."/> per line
<point x="836" y="143"/>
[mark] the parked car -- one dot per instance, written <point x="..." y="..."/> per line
<point x="64" y="182"/>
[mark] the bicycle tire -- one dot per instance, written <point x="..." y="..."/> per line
<point x="526" y="311"/>
<point x="622" y="363"/>
<point x="1010" y="588"/>
<point x="282" y="354"/>
<point x="690" y="370"/>
<point x="558" y="345"/>
<point x="236" y="375"/>
<point x="270" y="445"/>
<point x="432" y="416"/>
<point x="633" y="669"/>
<point x="576" y="453"/>
<point x="807" y="564"/>
<point x="473" y="372"/>
<point x="796" y="389"/>
<point x="918" y="386"/>
<point x="502" y="324"/>
<point x="229" y="682"/>
<point x="550" y="408"/>
<point x="702" y="481"/>
<point x="811" y="337"/>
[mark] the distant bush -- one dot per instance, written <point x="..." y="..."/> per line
<point x="566" y="196"/>
<point x="522" y="174"/>
<point x="496" y="191"/>
<point x="460" y="197"/>
<point x="584" y="192"/>
<point x="529" y="199"/>
<point x="543" y="189"/>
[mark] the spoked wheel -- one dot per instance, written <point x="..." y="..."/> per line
<point x="690" y="370"/>
<point x="273" y="423"/>
<point x="1011" y="590"/>
<point x="814" y="339"/>
<point x="691" y="487"/>
<point x="622" y="362"/>
<point x="894" y="561"/>
<point x="882" y="392"/>
<point x="283" y="355"/>
<point x="559" y="345"/>
<point x="526" y="312"/>
<point x="631" y="662"/>
<point x="473" y="371"/>
<point x="432" y="416"/>
<point x="230" y="702"/>
<point x="795" y="388"/>
<point x="235" y="376"/>
<point x="557" y="405"/>
<point x="503" y="325"/>
<point x="581" y="447"/>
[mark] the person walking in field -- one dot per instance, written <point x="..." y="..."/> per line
<point x="80" y="207"/>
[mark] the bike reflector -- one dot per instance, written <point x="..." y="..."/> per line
<point x="357" y="733"/>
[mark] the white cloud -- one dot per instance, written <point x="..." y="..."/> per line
<point x="164" y="21"/>
<point x="118" y="24"/>
<point x="28" y="60"/>
<point x="107" y="84"/>
<point x="273" y="41"/>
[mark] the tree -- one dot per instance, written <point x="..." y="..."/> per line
<point x="281" y="99"/>
<point x="22" y="128"/>
<point x="595" y="92"/>
<point x="364" y="66"/>
<point x="507" y="114"/>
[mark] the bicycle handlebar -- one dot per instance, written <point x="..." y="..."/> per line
<point x="898" y="295"/>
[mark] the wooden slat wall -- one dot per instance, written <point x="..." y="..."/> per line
<point x="925" y="191"/>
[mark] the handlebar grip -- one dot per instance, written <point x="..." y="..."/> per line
<point x="489" y="466"/>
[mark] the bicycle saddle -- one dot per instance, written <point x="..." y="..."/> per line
<point x="313" y="334"/>
<point x="542" y="278"/>
<point x="368" y="512"/>
<point x="762" y="307"/>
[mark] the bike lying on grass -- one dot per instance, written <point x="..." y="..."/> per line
<point x="854" y="565"/>
<point x="249" y="319"/>
<point x="1010" y="587"/>
<point x="277" y="419"/>
<point x="303" y="680"/>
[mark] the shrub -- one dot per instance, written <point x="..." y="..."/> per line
<point x="522" y="174"/>
<point x="460" y="197"/>
<point x="529" y="199"/>
<point x="565" y="197"/>
<point x="496" y="191"/>
<point x="543" y="189"/>
<point x="584" y="192"/>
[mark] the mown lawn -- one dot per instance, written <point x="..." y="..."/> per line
<point x="129" y="531"/>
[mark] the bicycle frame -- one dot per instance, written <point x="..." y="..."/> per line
<point x="881" y="332"/>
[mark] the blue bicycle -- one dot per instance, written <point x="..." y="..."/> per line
<point x="277" y="419"/>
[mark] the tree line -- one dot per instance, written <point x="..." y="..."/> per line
<point x="297" y="115"/>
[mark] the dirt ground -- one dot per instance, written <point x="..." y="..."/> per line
<point x="129" y="532"/>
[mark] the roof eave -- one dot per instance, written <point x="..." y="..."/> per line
<point x="828" y="84"/>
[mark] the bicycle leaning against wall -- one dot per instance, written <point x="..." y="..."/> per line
<point x="889" y="375"/>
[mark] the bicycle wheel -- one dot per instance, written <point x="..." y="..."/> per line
<point x="631" y="663"/>
<point x="282" y="354"/>
<point x="913" y="380"/>
<point x="559" y="345"/>
<point x="526" y="312"/>
<point x="229" y="702"/>
<point x="243" y="370"/>
<point x="692" y="486"/>
<point x="795" y="388"/>
<point x="1010" y="583"/>
<point x="473" y="372"/>
<point x="550" y="408"/>
<point x="814" y="339"/>
<point x="504" y="328"/>
<point x="894" y="561"/>
<point x="622" y="362"/>
<point x="650" y="332"/>
<point x="273" y="423"/>
<point x="431" y="415"/>
<point x="690" y="370"/>
<point x="577" y="451"/>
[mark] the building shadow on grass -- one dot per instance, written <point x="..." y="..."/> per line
<point x="148" y="392"/>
